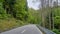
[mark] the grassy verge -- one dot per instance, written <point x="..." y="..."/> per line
<point x="8" y="24"/>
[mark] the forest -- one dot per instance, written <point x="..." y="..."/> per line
<point x="16" y="13"/>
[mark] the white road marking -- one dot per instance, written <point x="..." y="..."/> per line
<point x="23" y="31"/>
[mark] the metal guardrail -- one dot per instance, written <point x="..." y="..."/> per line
<point x="45" y="31"/>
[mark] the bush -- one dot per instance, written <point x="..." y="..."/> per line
<point x="56" y="31"/>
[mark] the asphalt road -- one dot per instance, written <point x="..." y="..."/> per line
<point x="28" y="29"/>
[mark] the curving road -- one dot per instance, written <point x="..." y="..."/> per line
<point x="28" y="29"/>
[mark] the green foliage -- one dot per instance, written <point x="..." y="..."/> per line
<point x="7" y="24"/>
<point x="2" y="12"/>
<point x="1" y="1"/>
<point x="20" y="8"/>
<point x="10" y="11"/>
<point x="56" y="11"/>
<point x="14" y="13"/>
<point x="56" y="31"/>
<point x="57" y="20"/>
<point x="34" y="16"/>
<point x="57" y="17"/>
<point x="8" y="5"/>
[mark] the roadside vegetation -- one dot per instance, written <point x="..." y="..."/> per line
<point x="16" y="13"/>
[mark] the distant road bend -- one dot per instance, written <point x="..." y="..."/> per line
<point x="28" y="29"/>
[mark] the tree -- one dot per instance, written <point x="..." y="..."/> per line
<point x="2" y="11"/>
<point x="21" y="9"/>
<point x="57" y="2"/>
<point x="8" y="5"/>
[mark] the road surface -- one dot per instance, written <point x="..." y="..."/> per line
<point x="28" y="29"/>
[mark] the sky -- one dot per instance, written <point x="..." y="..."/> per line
<point x="35" y="5"/>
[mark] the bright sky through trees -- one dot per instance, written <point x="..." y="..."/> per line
<point x="35" y="4"/>
<point x="32" y="4"/>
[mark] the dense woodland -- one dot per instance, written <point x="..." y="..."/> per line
<point x="16" y="13"/>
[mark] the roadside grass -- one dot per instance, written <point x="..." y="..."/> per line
<point x="8" y="24"/>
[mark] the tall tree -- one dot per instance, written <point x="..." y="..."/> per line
<point x="2" y="11"/>
<point x="21" y="9"/>
<point x="8" y="5"/>
<point x="57" y="2"/>
<point x="42" y="18"/>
